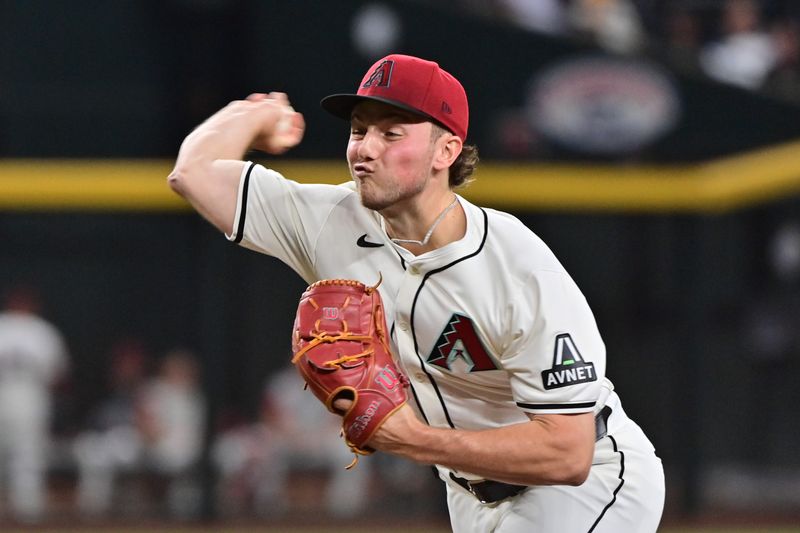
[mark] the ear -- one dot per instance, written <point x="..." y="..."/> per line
<point x="447" y="149"/>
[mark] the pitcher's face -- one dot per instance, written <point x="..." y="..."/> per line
<point x="390" y="154"/>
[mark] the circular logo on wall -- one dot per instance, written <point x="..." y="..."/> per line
<point x="602" y="105"/>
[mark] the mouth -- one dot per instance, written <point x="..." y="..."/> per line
<point x="360" y="170"/>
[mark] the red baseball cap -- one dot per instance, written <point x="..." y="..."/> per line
<point x="416" y="85"/>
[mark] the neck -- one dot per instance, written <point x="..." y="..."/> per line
<point x="429" y="225"/>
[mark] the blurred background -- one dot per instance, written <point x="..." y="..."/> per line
<point x="144" y="368"/>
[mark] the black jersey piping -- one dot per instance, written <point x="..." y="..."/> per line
<point x="414" y="306"/>
<point x="584" y="405"/>
<point x="416" y="399"/>
<point x="621" y="482"/>
<point x="243" y="211"/>
<point x="402" y="261"/>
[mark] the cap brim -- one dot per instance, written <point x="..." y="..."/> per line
<point x="341" y="105"/>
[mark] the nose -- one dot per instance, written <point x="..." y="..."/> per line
<point x="369" y="145"/>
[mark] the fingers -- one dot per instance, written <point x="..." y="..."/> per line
<point x="280" y="131"/>
<point x="298" y="122"/>
<point x="342" y="404"/>
<point x="281" y="98"/>
<point x="288" y="131"/>
<point x="257" y="97"/>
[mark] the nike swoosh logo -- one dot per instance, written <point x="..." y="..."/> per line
<point x="364" y="243"/>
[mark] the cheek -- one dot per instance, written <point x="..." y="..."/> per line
<point x="406" y="160"/>
<point x="411" y="166"/>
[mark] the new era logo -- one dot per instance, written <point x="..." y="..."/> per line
<point x="446" y="108"/>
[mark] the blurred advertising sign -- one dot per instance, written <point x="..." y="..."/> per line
<point x="602" y="105"/>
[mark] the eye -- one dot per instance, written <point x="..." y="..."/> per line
<point x="393" y="134"/>
<point x="356" y="131"/>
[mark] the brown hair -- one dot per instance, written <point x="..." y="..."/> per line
<point x="462" y="168"/>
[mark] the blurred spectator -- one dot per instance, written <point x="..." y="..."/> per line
<point x="544" y="16"/>
<point x="613" y="24"/>
<point x="747" y="49"/>
<point x="295" y="433"/>
<point x="683" y="37"/>
<point x="164" y="442"/>
<point x="784" y="80"/>
<point x="33" y="356"/>
<point x="744" y="55"/>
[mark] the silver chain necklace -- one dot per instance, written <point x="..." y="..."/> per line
<point x="427" y="237"/>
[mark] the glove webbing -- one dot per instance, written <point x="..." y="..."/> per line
<point x="320" y="337"/>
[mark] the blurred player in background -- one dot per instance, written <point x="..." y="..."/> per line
<point x="110" y="440"/>
<point x="292" y="435"/>
<point x="308" y="437"/>
<point x="172" y="419"/>
<point x="33" y="357"/>
<point x="153" y="428"/>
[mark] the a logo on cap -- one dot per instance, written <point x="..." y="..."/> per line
<point x="446" y="108"/>
<point x="381" y="76"/>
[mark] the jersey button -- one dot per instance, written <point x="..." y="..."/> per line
<point x="414" y="270"/>
<point x="419" y="376"/>
<point x="403" y="325"/>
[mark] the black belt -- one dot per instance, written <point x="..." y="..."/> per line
<point x="489" y="491"/>
<point x="601" y="423"/>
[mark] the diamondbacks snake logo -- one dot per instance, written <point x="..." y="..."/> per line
<point x="460" y="341"/>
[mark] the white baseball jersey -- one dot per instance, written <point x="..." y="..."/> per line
<point x="487" y="328"/>
<point x="32" y="351"/>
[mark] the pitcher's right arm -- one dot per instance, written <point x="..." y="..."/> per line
<point x="209" y="164"/>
